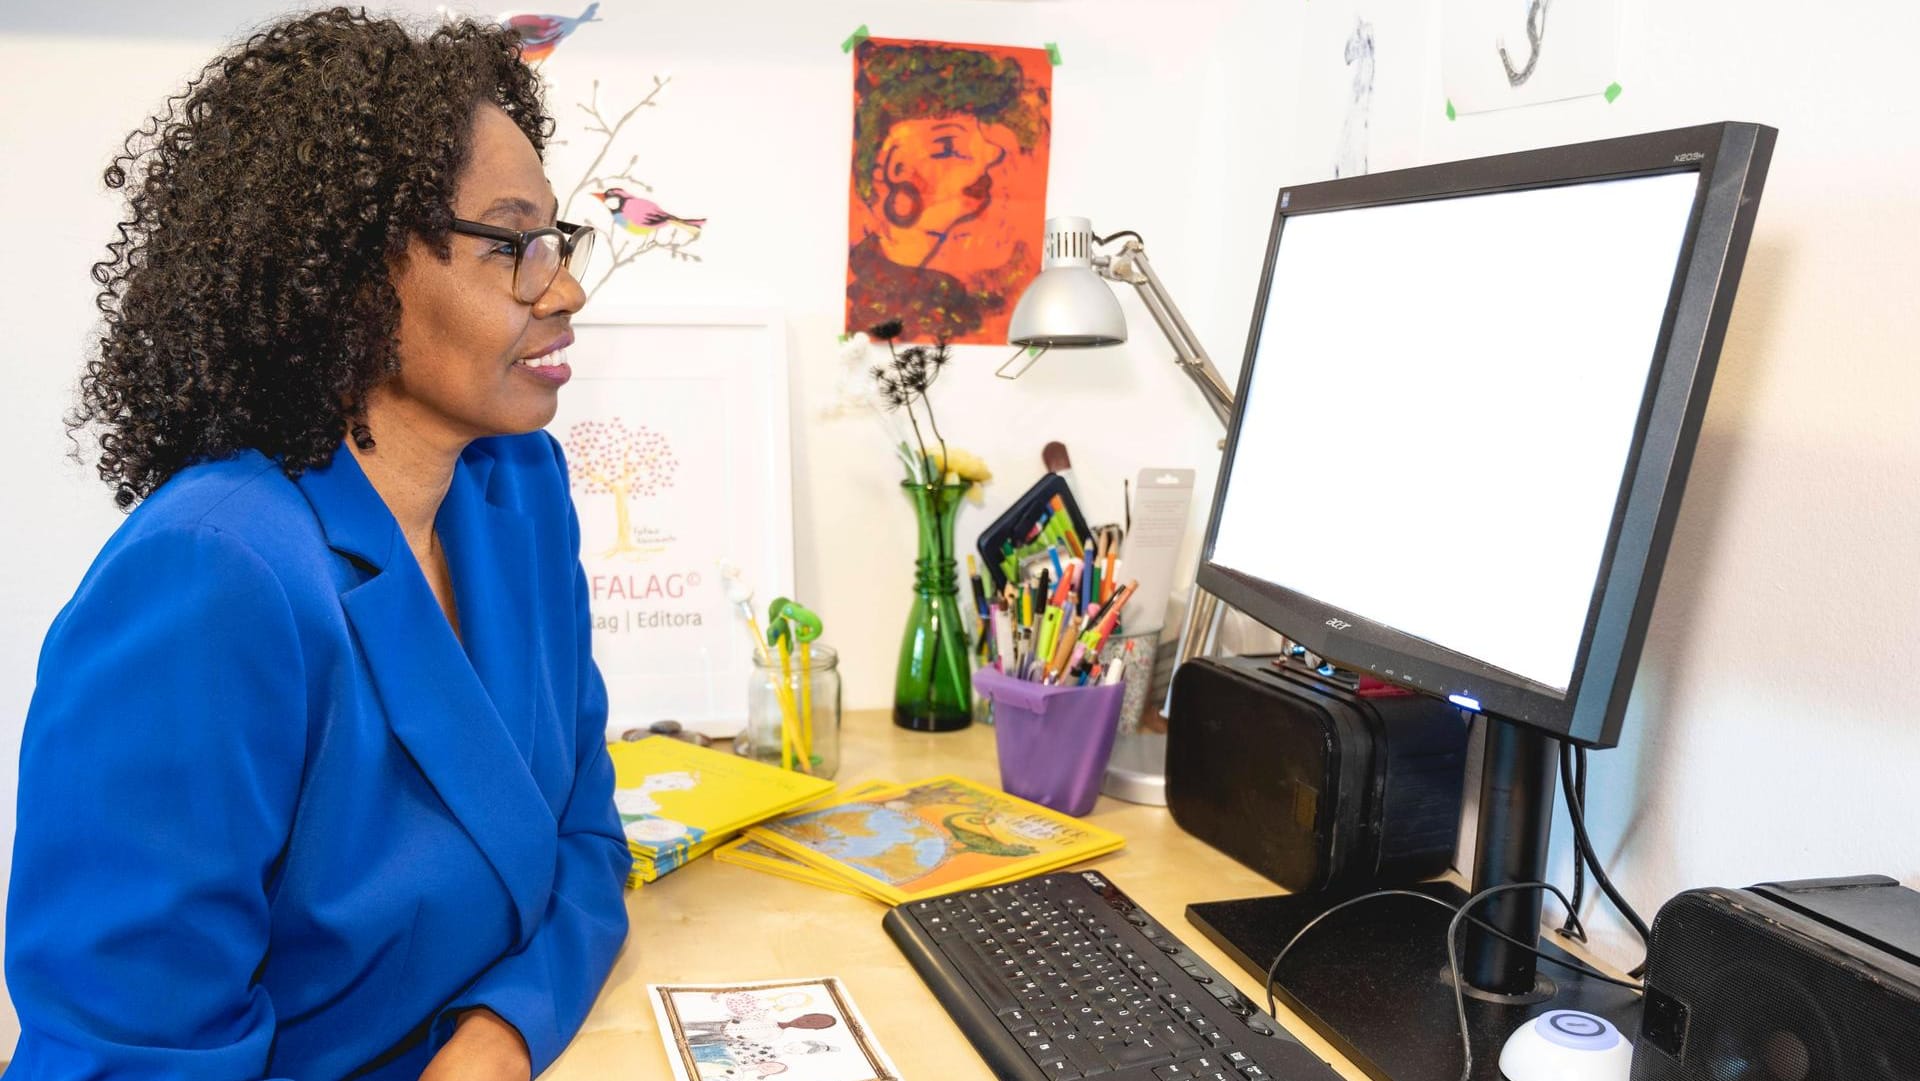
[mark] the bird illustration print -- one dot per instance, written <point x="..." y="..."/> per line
<point x="647" y="220"/>
<point x="539" y="34"/>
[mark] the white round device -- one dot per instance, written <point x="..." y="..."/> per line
<point x="1566" y="1045"/>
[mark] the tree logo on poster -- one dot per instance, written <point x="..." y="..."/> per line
<point x="608" y="458"/>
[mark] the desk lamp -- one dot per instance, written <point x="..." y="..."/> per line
<point x="1069" y="307"/>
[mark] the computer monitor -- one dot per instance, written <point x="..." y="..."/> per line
<point x="1470" y="397"/>
<point x="1469" y="401"/>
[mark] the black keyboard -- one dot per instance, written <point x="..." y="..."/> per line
<point x="1062" y="976"/>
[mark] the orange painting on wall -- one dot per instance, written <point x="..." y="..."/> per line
<point x="949" y="186"/>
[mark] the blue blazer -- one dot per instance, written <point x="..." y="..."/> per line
<point x="277" y="821"/>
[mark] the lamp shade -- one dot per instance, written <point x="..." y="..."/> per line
<point x="1068" y="305"/>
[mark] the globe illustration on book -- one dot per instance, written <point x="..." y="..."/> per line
<point x="891" y="844"/>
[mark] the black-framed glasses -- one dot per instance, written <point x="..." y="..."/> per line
<point x="538" y="254"/>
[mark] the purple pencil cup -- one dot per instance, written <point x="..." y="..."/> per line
<point x="1053" y="741"/>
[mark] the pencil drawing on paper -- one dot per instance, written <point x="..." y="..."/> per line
<point x="1353" y="133"/>
<point x="1536" y="31"/>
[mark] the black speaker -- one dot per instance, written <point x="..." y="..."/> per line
<point x="1313" y="778"/>
<point x="1787" y="981"/>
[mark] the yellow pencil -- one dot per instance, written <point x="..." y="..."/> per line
<point x="789" y="722"/>
<point x="806" y="701"/>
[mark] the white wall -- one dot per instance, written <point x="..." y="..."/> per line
<point x="1764" y="738"/>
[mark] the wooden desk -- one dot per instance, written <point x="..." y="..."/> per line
<point x="711" y="922"/>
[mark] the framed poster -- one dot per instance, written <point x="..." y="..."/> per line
<point x="676" y="430"/>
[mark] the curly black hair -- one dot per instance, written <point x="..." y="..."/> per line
<point x="249" y="301"/>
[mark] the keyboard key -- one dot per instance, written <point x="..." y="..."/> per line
<point x="1176" y="1037"/>
<point x="1084" y="1056"/>
<point x="1146" y="1051"/>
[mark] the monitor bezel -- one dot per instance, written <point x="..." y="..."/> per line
<point x="1731" y="161"/>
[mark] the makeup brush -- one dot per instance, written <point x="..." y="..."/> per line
<point x="1056" y="459"/>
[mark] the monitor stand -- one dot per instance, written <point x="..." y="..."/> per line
<point x="1373" y="978"/>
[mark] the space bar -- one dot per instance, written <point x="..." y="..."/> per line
<point x="986" y="983"/>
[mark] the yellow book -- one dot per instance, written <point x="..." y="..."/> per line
<point x="645" y="870"/>
<point x="933" y="837"/>
<point x="677" y="799"/>
<point x="751" y="854"/>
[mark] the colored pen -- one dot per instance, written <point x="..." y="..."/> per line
<point x="1049" y="630"/>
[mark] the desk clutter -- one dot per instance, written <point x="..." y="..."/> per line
<point x="1057" y="591"/>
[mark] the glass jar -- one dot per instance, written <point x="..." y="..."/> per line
<point x="800" y="699"/>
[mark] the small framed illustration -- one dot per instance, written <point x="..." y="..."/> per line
<point x="676" y="429"/>
<point x="800" y="1030"/>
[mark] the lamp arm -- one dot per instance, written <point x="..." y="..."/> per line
<point x="1133" y="267"/>
<point x="1201" y="628"/>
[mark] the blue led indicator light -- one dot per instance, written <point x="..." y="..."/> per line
<point x="1464" y="702"/>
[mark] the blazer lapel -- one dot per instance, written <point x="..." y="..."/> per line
<point x="435" y="702"/>
<point x="490" y="554"/>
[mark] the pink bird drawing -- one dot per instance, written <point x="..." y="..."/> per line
<point x="644" y="218"/>
<point x="540" y="33"/>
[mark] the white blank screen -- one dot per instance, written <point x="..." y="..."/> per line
<point x="1464" y="375"/>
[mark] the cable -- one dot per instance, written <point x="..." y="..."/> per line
<point x="1572" y="929"/>
<point x="1274" y="969"/>
<point x="1105" y="240"/>
<point x="1453" y="958"/>
<point x="1576" y="965"/>
<point x="1583" y="848"/>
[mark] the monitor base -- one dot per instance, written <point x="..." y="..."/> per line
<point x="1372" y="980"/>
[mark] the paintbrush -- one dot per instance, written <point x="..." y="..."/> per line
<point x="1054" y="456"/>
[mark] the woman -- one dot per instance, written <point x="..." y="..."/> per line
<point x="314" y="781"/>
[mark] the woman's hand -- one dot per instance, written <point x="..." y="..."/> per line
<point x="482" y="1048"/>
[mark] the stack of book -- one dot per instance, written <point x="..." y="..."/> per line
<point x="902" y="842"/>
<point x="678" y="800"/>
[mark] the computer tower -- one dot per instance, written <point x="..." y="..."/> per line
<point x="1313" y="779"/>
<point x="1795" y="981"/>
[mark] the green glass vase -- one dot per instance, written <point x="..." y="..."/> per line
<point x="933" y="685"/>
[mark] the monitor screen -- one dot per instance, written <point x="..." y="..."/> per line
<point x="1476" y="365"/>
<point x="1465" y="413"/>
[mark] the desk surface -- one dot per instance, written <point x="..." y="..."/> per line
<point x="711" y="922"/>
